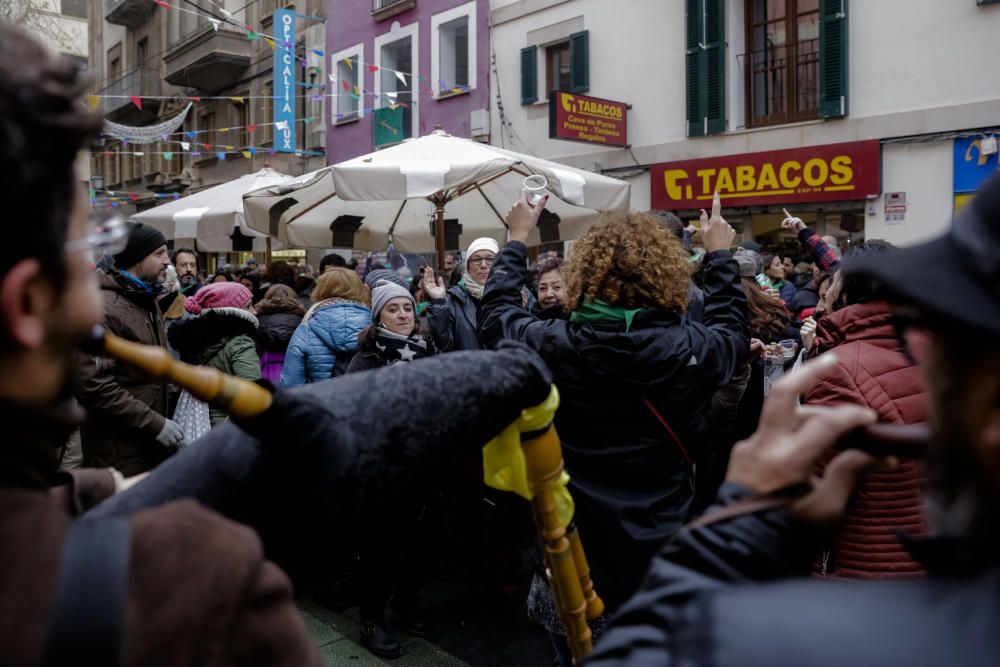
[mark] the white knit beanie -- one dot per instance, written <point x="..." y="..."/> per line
<point x="482" y="243"/>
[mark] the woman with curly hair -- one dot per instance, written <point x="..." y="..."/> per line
<point x="635" y="376"/>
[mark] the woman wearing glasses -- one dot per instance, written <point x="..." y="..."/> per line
<point x="452" y="313"/>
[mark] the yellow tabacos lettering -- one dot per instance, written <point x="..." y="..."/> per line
<point x="816" y="174"/>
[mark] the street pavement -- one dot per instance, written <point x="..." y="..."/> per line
<point x="463" y="630"/>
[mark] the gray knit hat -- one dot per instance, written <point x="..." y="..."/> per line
<point x="384" y="292"/>
<point x="375" y="275"/>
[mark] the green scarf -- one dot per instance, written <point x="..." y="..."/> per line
<point x="469" y="284"/>
<point x="596" y="311"/>
<point x="422" y="306"/>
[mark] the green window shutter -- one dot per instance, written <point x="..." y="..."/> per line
<point x="833" y="58"/>
<point x="705" y="65"/>
<point x="529" y="75"/>
<point x="579" y="62"/>
<point x="694" y="64"/>
<point x="715" y="65"/>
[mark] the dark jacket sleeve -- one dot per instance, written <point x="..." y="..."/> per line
<point x="724" y="319"/>
<point x="101" y="394"/>
<point x="441" y="321"/>
<point x="819" y="250"/>
<point x="502" y="313"/>
<point x="662" y="623"/>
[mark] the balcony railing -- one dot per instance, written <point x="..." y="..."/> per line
<point x="129" y="13"/>
<point x="383" y="9"/>
<point x="782" y="82"/>
<point x="118" y="91"/>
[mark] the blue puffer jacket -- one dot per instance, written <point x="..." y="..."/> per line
<point x="323" y="341"/>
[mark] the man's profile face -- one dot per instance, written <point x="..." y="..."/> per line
<point x="152" y="269"/>
<point x="449" y="262"/>
<point x="187" y="268"/>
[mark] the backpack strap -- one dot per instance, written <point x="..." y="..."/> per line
<point x="670" y="431"/>
<point x="89" y="610"/>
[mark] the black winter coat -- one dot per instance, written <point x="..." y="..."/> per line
<point x="453" y="321"/>
<point x="631" y="483"/>
<point x="275" y="330"/>
<point x="705" y="602"/>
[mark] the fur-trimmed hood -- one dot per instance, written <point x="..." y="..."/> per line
<point x="199" y="338"/>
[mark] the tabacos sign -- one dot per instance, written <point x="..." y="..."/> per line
<point x="589" y="119"/>
<point x="816" y="174"/>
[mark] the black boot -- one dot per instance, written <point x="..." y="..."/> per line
<point x="411" y="622"/>
<point x="378" y="638"/>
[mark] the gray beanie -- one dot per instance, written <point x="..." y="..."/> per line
<point x="375" y="275"/>
<point x="384" y="292"/>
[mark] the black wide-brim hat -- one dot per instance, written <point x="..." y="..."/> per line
<point x="955" y="276"/>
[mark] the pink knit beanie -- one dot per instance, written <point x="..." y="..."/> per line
<point x="218" y="295"/>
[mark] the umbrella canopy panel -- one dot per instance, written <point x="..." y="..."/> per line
<point x="214" y="216"/>
<point x="389" y="197"/>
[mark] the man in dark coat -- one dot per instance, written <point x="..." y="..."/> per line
<point x="128" y="427"/>
<point x="198" y="590"/>
<point x="715" y="596"/>
<point x="635" y="392"/>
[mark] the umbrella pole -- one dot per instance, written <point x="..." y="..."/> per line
<point x="267" y="261"/>
<point x="439" y="232"/>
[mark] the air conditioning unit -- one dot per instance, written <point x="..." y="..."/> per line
<point x="479" y="124"/>
<point x="317" y="138"/>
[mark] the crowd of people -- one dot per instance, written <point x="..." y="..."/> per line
<point x="695" y="470"/>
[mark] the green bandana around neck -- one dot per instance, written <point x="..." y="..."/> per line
<point x="596" y="311"/>
<point x="469" y="284"/>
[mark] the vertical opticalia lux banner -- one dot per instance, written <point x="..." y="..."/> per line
<point x="284" y="81"/>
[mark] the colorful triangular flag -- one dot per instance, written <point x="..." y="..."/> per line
<point x="401" y="77"/>
<point x="252" y="36"/>
<point x="93" y="101"/>
<point x="237" y="100"/>
<point x="168" y="155"/>
<point x="349" y="64"/>
<point x="373" y="68"/>
<point x="161" y="3"/>
<point x="215" y="24"/>
<point x="347" y="85"/>
<point x="318" y="53"/>
<point x="246" y="154"/>
<point x="223" y="130"/>
<point x="137" y="101"/>
<point x="270" y="42"/>
<point x="252" y="150"/>
<point x="185" y="146"/>
<point x="192" y="134"/>
<point x="251" y="127"/>
<point x="221" y="156"/>
<point x="194" y="99"/>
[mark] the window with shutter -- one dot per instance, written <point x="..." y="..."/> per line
<point x="796" y="61"/>
<point x="705" y="65"/>
<point x="529" y="75"/>
<point x="833" y="58"/>
<point x="579" y="62"/>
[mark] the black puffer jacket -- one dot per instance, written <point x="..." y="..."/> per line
<point x="275" y="330"/>
<point x="631" y="482"/>
<point x="703" y="603"/>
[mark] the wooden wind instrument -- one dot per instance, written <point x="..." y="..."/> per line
<point x="235" y="396"/>
<point x="569" y="578"/>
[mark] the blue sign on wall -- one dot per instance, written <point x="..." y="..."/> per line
<point x="284" y="81"/>
<point x="971" y="166"/>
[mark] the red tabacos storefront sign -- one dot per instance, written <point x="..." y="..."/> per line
<point x="589" y="119"/>
<point x="815" y="174"/>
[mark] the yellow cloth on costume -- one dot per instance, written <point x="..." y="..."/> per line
<point x="504" y="467"/>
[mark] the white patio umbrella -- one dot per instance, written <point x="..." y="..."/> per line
<point x="213" y="218"/>
<point x="409" y="193"/>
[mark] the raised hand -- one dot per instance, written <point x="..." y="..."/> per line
<point x="522" y="217"/>
<point x="434" y="288"/>
<point x="791" y="222"/>
<point x="716" y="233"/>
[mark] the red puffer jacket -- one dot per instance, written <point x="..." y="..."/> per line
<point x="873" y="371"/>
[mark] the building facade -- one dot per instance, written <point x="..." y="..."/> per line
<point x="865" y="120"/>
<point x="214" y="59"/>
<point x="401" y="68"/>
